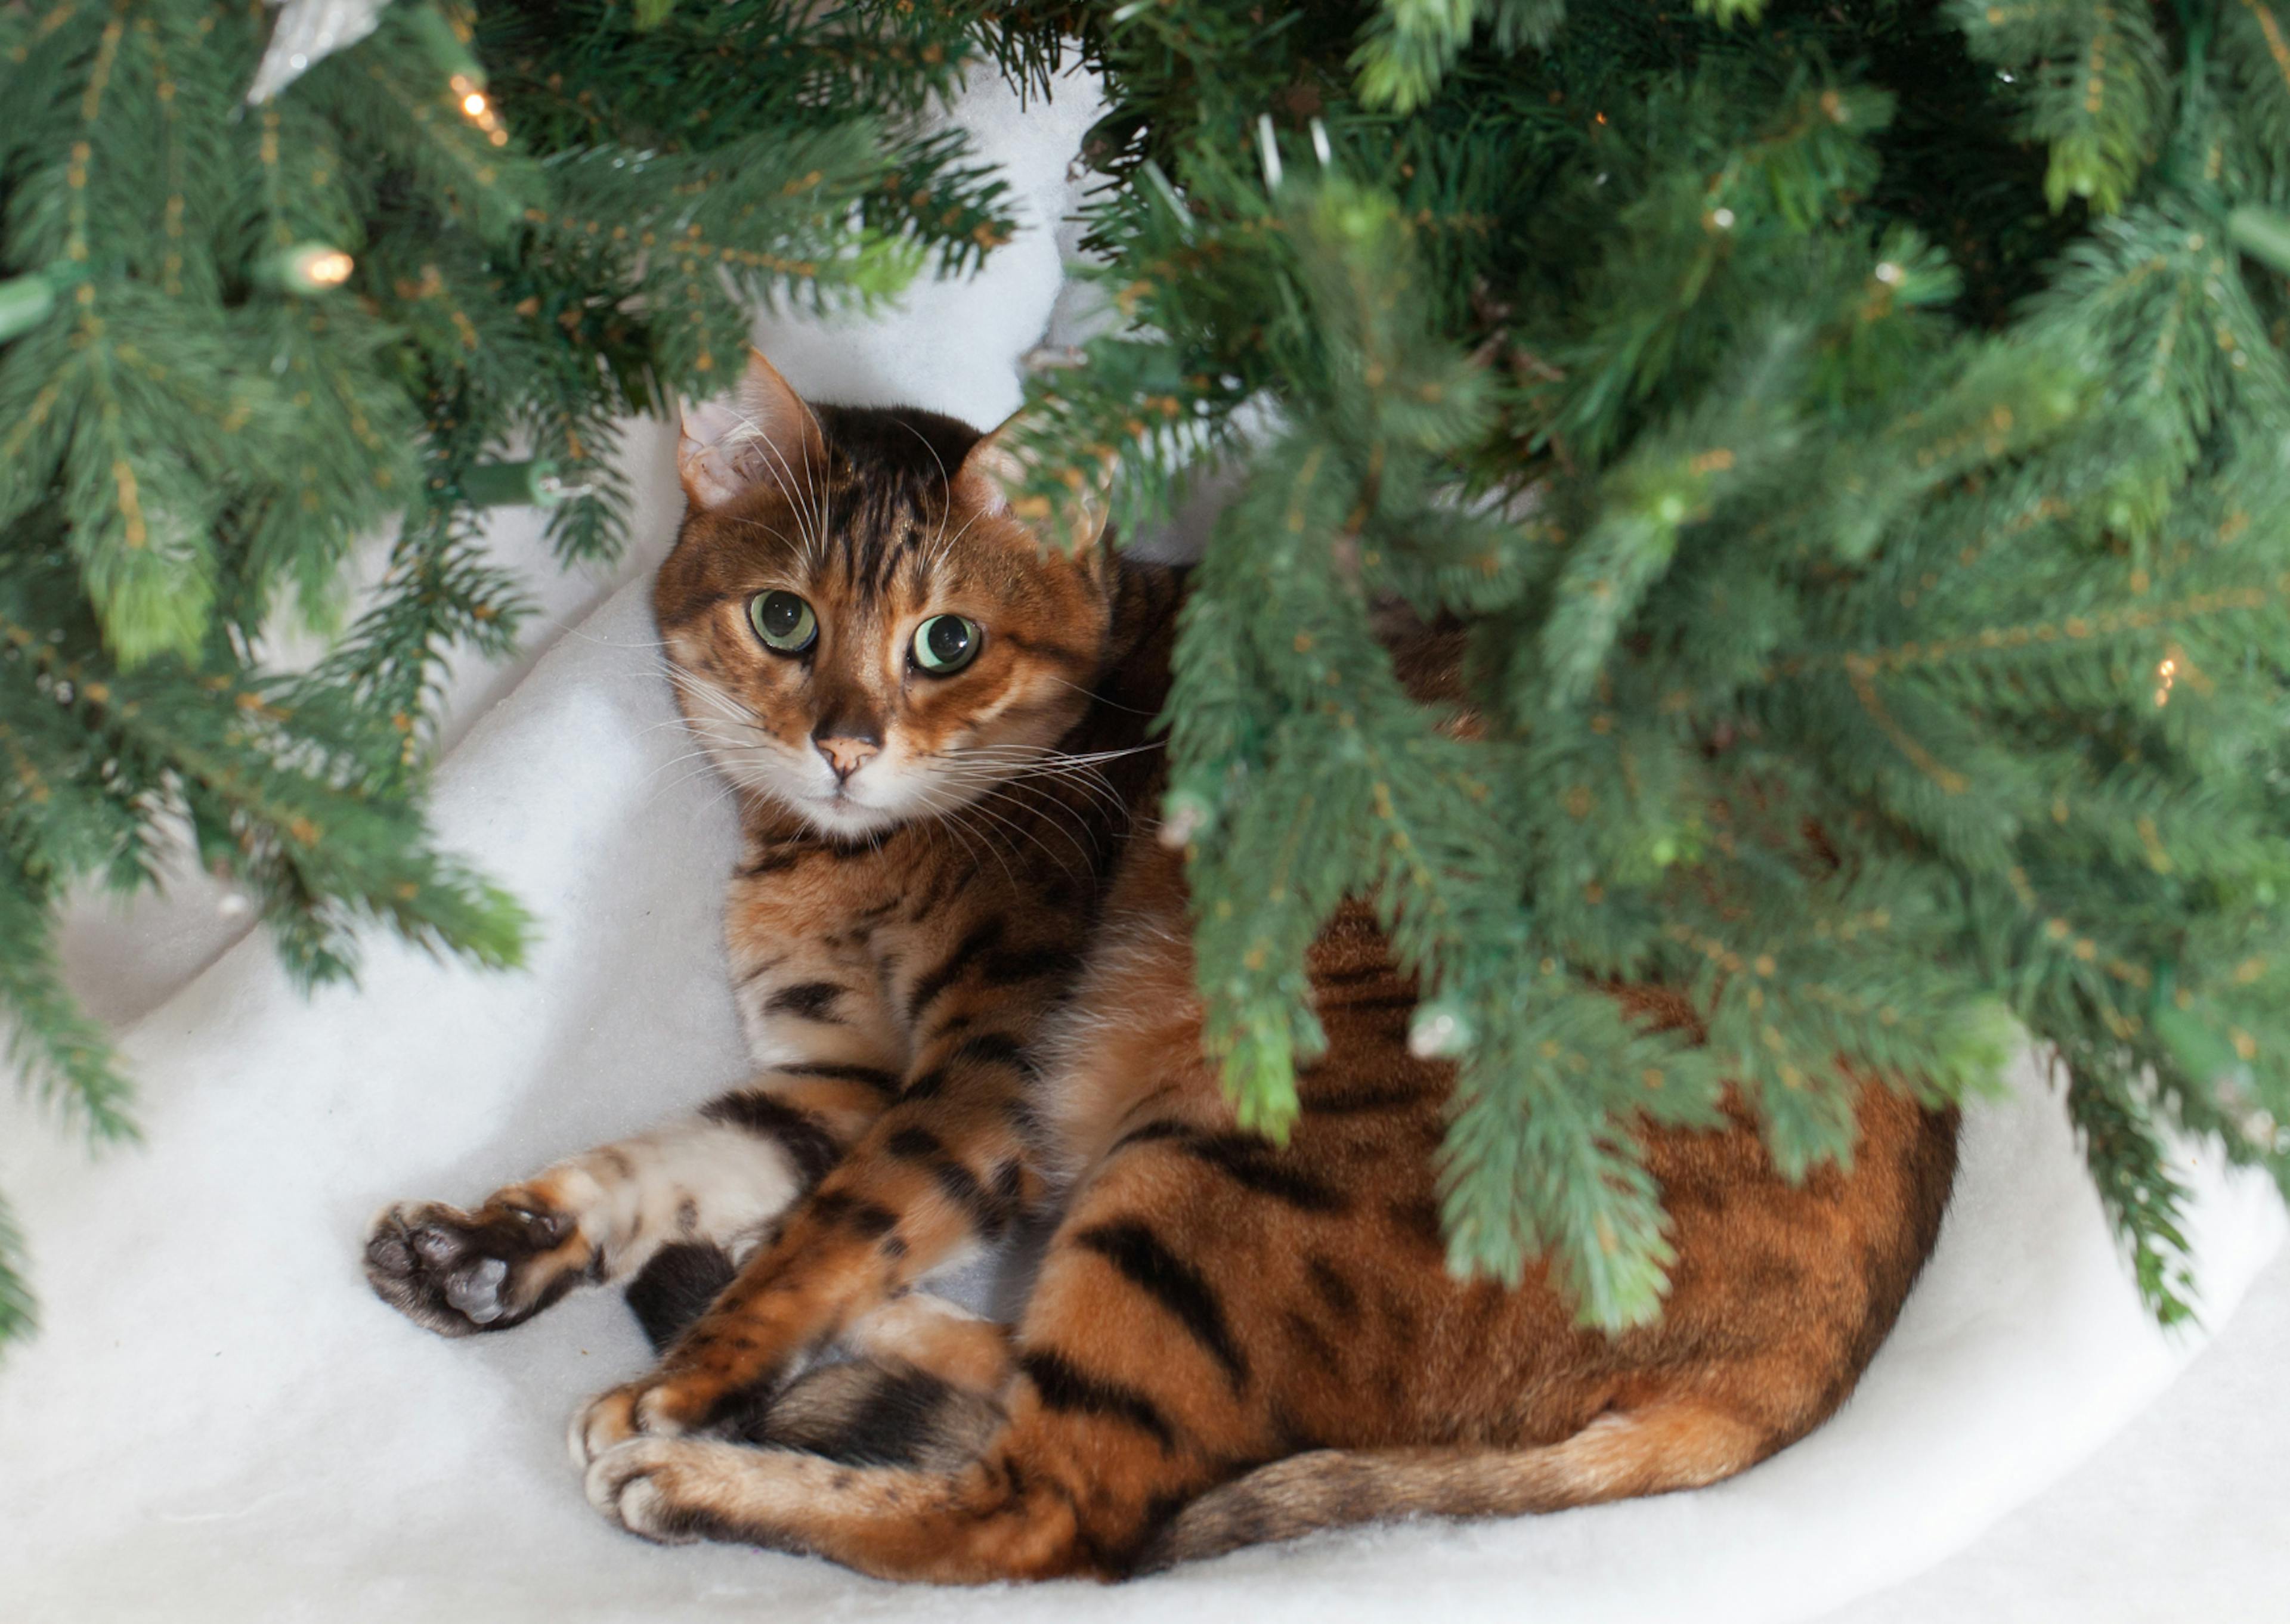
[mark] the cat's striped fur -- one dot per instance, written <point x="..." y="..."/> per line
<point x="1228" y="1342"/>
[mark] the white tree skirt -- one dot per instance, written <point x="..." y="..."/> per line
<point x="219" y="1422"/>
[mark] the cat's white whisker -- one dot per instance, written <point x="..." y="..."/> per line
<point x="983" y="806"/>
<point x="702" y="754"/>
<point x="1100" y="699"/>
<point x="946" y="549"/>
<point x="803" y="501"/>
<point x="570" y="629"/>
<point x="947" y="814"/>
<point x="1094" y="784"/>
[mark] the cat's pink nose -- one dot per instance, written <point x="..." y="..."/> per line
<point x="846" y="753"/>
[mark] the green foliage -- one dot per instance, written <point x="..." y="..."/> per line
<point x="18" y="1314"/>
<point x="1843" y="441"/>
<point x="1406" y="46"/>
<point x="190" y="445"/>
<point x="2092" y="80"/>
<point x="1846" y="440"/>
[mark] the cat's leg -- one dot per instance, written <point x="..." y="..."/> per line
<point x="944" y="1168"/>
<point x="925" y="1390"/>
<point x="1112" y="1418"/>
<point x="718" y="1178"/>
<point x="929" y="1336"/>
<point x="832" y="1059"/>
<point x="1054" y="1493"/>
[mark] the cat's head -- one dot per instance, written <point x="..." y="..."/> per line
<point x="860" y="628"/>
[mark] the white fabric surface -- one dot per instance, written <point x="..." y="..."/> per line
<point x="220" y="1423"/>
<point x="2183" y="1517"/>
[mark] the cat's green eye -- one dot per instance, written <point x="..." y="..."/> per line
<point x="946" y="643"/>
<point x="784" y="621"/>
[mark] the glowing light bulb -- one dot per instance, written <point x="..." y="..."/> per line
<point x="306" y="268"/>
<point x="474" y="105"/>
<point x="1438" y="1029"/>
<point x="2166" y="675"/>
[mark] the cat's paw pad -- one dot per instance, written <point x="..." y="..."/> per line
<point x="639" y="1410"/>
<point x="459" y="1273"/>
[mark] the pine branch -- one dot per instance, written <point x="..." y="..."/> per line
<point x="2092" y="75"/>
<point x="19" y="1316"/>
<point x="63" y="1057"/>
<point x="1861" y="553"/>
<point x="1408" y="46"/>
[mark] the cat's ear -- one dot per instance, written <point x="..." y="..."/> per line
<point x="995" y="474"/>
<point x="762" y="434"/>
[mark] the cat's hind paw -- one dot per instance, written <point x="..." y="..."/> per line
<point x="460" y="1273"/>
<point x="631" y="1486"/>
<point x="677" y="1490"/>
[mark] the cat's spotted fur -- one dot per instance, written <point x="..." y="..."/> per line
<point x="1226" y="1342"/>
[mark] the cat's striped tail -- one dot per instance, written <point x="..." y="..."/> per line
<point x="1672" y="1444"/>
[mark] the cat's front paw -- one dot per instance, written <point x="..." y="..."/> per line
<point x="656" y="1407"/>
<point x="459" y="1273"/>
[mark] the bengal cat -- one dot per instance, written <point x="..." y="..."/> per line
<point x="1226" y="1342"/>
<point x="937" y="727"/>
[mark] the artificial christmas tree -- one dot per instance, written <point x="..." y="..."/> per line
<point x="1852" y="437"/>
